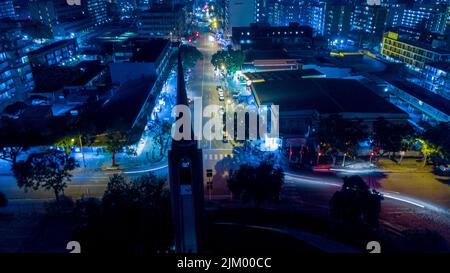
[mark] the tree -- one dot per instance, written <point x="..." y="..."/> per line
<point x="134" y="216"/>
<point x="257" y="184"/>
<point x="438" y="137"/>
<point x="10" y="153"/>
<point x="160" y="129"/>
<point x="47" y="170"/>
<point x="67" y="143"/>
<point x="114" y="143"/>
<point x="190" y="55"/>
<point x="14" y="140"/>
<point x="355" y="203"/>
<point x="428" y="149"/>
<point x="338" y="135"/>
<point x="231" y="59"/>
<point x="391" y="137"/>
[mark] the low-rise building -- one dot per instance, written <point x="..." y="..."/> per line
<point x="303" y="100"/>
<point x="413" y="53"/>
<point x="267" y="60"/>
<point x="436" y="78"/>
<point x="418" y="102"/>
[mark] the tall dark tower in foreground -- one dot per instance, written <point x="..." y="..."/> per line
<point x="186" y="183"/>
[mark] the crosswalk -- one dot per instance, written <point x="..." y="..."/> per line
<point x="215" y="156"/>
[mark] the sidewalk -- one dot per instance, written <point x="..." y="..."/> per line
<point x="407" y="165"/>
<point x="147" y="156"/>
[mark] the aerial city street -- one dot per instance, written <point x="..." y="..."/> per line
<point x="306" y="126"/>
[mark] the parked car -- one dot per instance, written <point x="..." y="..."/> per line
<point x="442" y="170"/>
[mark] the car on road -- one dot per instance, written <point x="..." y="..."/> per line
<point x="442" y="170"/>
<point x="225" y="137"/>
<point x="221" y="110"/>
<point x="221" y="98"/>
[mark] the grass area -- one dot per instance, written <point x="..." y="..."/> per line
<point x="407" y="164"/>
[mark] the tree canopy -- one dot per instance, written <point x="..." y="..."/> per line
<point x="133" y="217"/>
<point x="115" y="141"/>
<point x="258" y="184"/>
<point x="436" y="140"/>
<point x="231" y="59"/>
<point x="355" y="203"/>
<point x="190" y="55"/>
<point x="391" y="137"/>
<point x="48" y="170"/>
<point x="160" y="130"/>
<point x="339" y="135"/>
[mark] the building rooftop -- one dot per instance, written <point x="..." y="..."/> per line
<point x="283" y="75"/>
<point x="52" y="46"/>
<point x="148" y="50"/>
<point x="424" y="45"/>
<point x="90" y="70"/>
<point x="36" y="112"/>
<point x="126" y="103"/>
<point x="441" y="66"/>
<point x="277" y="54"/>
<point x="440" y="103"/>
<point x="327" y="96"/>
<point x="53" y="78"/>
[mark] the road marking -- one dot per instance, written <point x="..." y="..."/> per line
<point x="148" y="170"/>
<point x="404" y="200"/>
